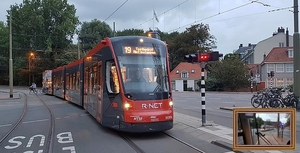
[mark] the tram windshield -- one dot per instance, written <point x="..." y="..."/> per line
<point x="142" y="73"/>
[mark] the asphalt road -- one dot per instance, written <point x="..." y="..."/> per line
<point x="190" y="103"/>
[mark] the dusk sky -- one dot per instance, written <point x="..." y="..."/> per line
<point x="232" y="22"/>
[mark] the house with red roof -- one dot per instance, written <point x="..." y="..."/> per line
<point x="279" y="60"/>
<point x="186" y="75"/>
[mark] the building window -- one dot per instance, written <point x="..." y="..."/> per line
<point x="281" y="44"/>
<point x="184" y="75"/>
<point x="177" y="71"/>
<point x="279" y="67"/>
<point x="193" y="71"/>
<point x="271" y="67"/>
<point x="289" y="81"/>
<point x="289" y="67"/>
<point x="173" y="85"/>
<point x="290" y="53"/>
<point x="279" y="82"/>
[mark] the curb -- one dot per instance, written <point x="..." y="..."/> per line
<point x="226" y="108"/>
<point x="18" y="96"/>
<point x="226" y="145"/>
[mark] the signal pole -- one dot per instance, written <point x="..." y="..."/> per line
<point x="202" y="64"/>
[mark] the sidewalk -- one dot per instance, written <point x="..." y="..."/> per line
<point x="6" y="96"/>
<point x="216" y="134"/>
<point x="231" y="108"/>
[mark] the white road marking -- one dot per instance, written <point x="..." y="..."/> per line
<point x="5" y="125"/>
<point x="36" y="121"/>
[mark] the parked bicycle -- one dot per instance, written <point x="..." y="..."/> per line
<point x="273" y="98"/>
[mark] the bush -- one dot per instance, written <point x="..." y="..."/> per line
<point x="211" y="84"/>
<point x="190" y="89"/>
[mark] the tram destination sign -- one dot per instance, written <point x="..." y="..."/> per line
<point x="139" y="50"/>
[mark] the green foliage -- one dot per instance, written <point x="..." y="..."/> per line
<point x="190" y="89"/>
<point x="93" y="32"/>
<point x="290" y="88"/>
<point x="230" y="72"/>
<point x="259" y="122"/>
<point x="4" y="53"/>
<point x="131" y="32"/>
<point x="288" y="120"/>
<point x="193" y="39"/>
<point x="47" y="25"/>
<point x="211" y="84"/>
<point x="232" y="56"/>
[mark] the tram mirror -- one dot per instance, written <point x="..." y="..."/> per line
<point x="264" y="129"/>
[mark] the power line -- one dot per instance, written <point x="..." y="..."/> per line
<point x="229" y="11"/>
<point x="162" y="13"/>
<point x="213" y="15"/>
<point x="115" y="11"/>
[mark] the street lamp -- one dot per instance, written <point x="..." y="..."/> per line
<point x="31" y="55"/>
<point x="10" y="58"/>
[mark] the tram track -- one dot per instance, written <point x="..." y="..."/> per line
<point x="183" y="142"/>
<point x="131" y="143"/>
<point x="48" y="144"/>
<point x="127" y="138"/>
<point x="18" y="122"/>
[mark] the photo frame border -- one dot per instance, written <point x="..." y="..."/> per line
<point x="292" y="145"/>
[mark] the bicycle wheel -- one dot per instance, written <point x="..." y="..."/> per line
<point x="255" y="101"/>
<point x="275" y="102"/>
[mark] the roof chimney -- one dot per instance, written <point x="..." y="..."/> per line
<point x="249" y="45"/>
<point x="241" y="45"/>
<point x="264" y="56"/>
<point x="287" y="37"/>
<point x="280" y="30"/>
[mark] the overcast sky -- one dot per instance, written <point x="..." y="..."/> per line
<point x="272" y="117"/>
<point x="232" y="22"/>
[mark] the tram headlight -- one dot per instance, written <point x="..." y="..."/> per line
<point x="171" y="103"/>
<point x="127" y="105"/>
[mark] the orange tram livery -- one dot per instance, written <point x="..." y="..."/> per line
<point x="123" y="82"/>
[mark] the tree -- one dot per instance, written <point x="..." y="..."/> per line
<point x="131" y="32"/>
<point x="4" y="53"/>
<point x="47" y="25"/>
<point x="194" y="39"/>
<point x="92" y="33"/>
<point x="256" y="123"/>
<point x="288" y="120"/>
<point x="230" y="72"/>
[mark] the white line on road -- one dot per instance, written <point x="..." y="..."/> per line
<point x="5" y="125"/>
<point x="36" y="121"/>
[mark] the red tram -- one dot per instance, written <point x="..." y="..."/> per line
<point x="123" y="82"/>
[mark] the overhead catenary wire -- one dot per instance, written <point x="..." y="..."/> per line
<point x="219" y="13"/>
<point x="115" y="10"/>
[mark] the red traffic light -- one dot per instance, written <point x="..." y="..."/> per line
<point x="204" y="57"/>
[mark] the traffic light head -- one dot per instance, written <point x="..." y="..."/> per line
<point x="191" y="58"/>
<point x="215" y="56"/>
<point x="272" y="73"/>
<point x="204" y="57"/>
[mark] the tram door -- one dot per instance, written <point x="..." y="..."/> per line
<point x="85" y="91"/>
<point x="99" y="92"/>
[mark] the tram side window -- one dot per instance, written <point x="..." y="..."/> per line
<point x="68" y="81"/>
<point x="112" y="81"/>
<point x="77" y="80"/>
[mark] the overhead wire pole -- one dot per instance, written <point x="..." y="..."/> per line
<point x="10" y="58"/>
<point x="296" y="53"/>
